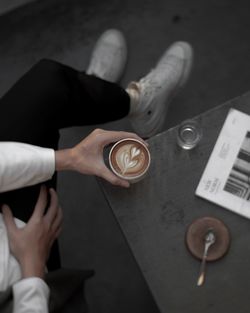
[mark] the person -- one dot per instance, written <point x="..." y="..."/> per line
<point x="51" y="96"/>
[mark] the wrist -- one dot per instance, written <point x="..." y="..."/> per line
<point x="32" y="269"/>
<point x="64" y="159"/>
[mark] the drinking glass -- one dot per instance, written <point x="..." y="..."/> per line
<point x="189" y="134"/>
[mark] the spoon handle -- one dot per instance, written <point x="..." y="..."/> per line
<point x="201" y="277"/>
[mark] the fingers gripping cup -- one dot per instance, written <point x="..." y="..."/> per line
<point x="129" y="159"/>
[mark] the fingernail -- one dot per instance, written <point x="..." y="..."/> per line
<point x="126" y="185"/>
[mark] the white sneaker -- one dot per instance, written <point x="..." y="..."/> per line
<point x="109" y="56"/>
<point x="150" y="97"/>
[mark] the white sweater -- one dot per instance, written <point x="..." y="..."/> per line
<point x="22" y="165"/>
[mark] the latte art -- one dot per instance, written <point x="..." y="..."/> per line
<point x="129" y="158"/>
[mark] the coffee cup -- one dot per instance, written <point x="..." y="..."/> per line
<point x="129" y="159"/>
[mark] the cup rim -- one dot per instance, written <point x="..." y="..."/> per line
<point x="129" y="177"/>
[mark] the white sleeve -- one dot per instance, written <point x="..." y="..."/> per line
<point x="31" y="295"/>
<point x="24" y="165"/>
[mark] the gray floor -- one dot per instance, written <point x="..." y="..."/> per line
<point x="66" y="31"/>
<point x="9" y="5"/>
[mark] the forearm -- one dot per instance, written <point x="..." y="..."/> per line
<point x="24" y="165"/>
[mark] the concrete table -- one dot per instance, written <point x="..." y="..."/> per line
<point x="154" y="215"/>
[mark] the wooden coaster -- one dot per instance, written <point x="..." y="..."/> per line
<point x="196" y="234"/>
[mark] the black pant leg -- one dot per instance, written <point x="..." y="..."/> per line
<point x="48" y="97"/>
<point x="52" y="96"/>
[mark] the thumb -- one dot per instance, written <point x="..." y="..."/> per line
<point x="8" y="218"/>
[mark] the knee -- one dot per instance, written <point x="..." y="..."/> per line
<point x="48" y="73"/>
<point x="47" y="66"/>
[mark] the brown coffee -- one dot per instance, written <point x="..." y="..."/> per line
<point x="129" y="158"/>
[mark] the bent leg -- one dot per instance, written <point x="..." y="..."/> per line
<point x="52" y="96"/>
<point x="49" y="97"/>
